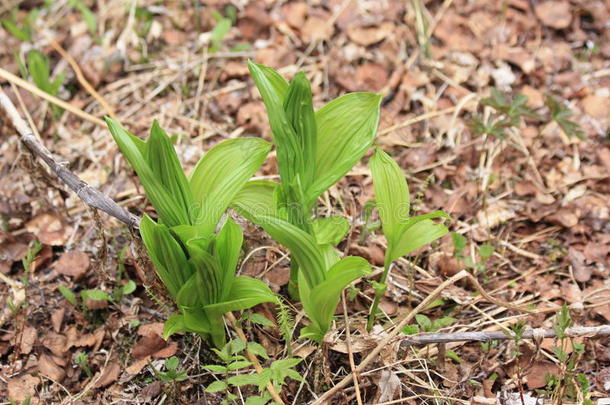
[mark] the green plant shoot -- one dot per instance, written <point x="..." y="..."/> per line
<point x="315" y="149"/>
<point x="196" y="263"/>
<point x="404" y="234"/>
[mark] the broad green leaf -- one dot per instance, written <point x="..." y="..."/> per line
<point x="302" y="245"/>
<point x="391" y="194"/>
<point x="298" y="108"/>
<point x="216" y="386"/>
<point x="416" y="236"/>
<point x="215" y="368"/>
<point x="246" y="292"/>
<point x="256" y="199"/>
<point x="330" y="230"/>
<point x="166" y="254"/>
<point x="68" y="294"/>
<point x="244" y="379"/>
<point x="324" y="297"/>
<point x="227" y="248"/>
<point x="257" y="349"/>
<point x="174" y="324"/>
<point x="163" y="161"/>
<point x="134" y="151"/>
<point x="274" y="89"/>
<point x="210" y="274"/>
<point x="221" y="173"/>
<point x="95" y="295"/>
<point x="129" y="287"/>
<point x="346" y="128"/>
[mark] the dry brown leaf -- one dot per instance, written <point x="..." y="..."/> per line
<point x="155" y="328"/>
<point x="57" y="319"/>
<point x="496" y="213"/>
<point x="50" y="229"/>
<point x="596" y="106"/>
<point x="537" y="373"/>
<point x="22" y="387"/>
<point x="74" y="263"/>
<point x="137" y="366"/>
<point x="151" y="391"/>
<point x="148" y="345"/>
<point x="370" y="35"/>
<point x="565" y="217"/>
<point x="47" y="367"/>
<point x="28" y="339"/>
<point x="109" y="375"/>
<point x="388" y="387"/>
<point x="166" y="352"/>
<point x="582" y="272"/>
<point x="56" y="343"/>
<point x="554" y="13"/>
<point x="294" y="14"/>
<point x="317" y="29"/>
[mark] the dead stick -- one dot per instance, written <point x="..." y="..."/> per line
<point x="485" y="336"/>
<point x="90" y="195"/>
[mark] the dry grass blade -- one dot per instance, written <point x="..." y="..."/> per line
<point x="8" y="76"/>
<point x="397" y="328"/>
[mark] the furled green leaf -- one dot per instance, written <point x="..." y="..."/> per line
<point x="95" y="295"/>
<point x="163" y="161"/>
<point x="298" y="108"/>
<point x="166" y="254"/>
<point x="256" y="199"/>
<point x="324" y="297"/>
<point x="68" y="294"/>
<point x="174" y="324"/>
<point x="330" y="230"/>
<point x="221" y="173"/>
<point x="346" y="127"/>
<point x="417" y="235"/>
<point x="303" y="247"/>
<point x="134" y="150"/>
<point x="246" y="292"/>
<point x="274" y="89"/>
<point x="227" y="248"/>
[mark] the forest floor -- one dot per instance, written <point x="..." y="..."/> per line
<point x="530" y="199"/>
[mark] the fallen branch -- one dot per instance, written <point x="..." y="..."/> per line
<point x="90" y="195"/>
<point x="485" y="336"/>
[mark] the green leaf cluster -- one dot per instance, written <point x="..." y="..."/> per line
<point x="315" y="149"/>
<point x="236" y="372"/>
<point x="196" y="263"/>
<point x="40" y="70"/>
<point x="403" y="233"/>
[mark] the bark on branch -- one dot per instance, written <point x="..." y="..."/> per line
<point x="430" y="338"/>
<point x="90" y="195"/>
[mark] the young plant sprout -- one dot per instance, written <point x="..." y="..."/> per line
<point x="195" y="263"/>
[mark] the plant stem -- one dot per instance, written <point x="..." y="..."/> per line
<point x="293" y="283"/>
<point x="379" y="291"/>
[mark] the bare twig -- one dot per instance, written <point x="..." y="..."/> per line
<point x="485" y="336"/>
<point x="90" y="195"/>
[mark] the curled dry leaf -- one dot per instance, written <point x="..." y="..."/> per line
<point x="147" y="346"/>
<point x="56" y="343"/>
<point x="74" y="263"/>
<point x="370" y="35"/>
<point x="109" y="375"/>
<point x="28" y="339"/>
<point x="48" y="367"/>
<point x="496" y="213"/>
<point x="555" y="14"/>
<point x="388" y="387"/>
<point x="50" y="229"/>
<point x="22" y="387"/>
